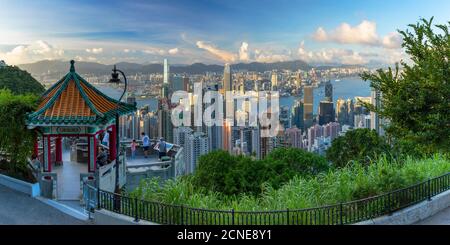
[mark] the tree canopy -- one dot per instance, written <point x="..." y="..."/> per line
<point x="219" y="171"/>
<point x="360" y="145"/>
<point x="416" y="97"/>
<point x="16" y="141"/>
<point x="19" y="81"/>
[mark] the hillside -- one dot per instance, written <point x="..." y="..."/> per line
<point x="61" y="67"/>
<point x="19" y="81"/>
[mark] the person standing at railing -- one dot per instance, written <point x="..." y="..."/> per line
<point x="162" y="148"/>
<point x="133" y="149"/>
<point x="145" y="144"/>
<point x="102" y="157"/>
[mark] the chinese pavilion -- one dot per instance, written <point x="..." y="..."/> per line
<point x="73" y="107"/>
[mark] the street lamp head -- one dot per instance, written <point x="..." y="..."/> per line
<point x="114" y="76"/>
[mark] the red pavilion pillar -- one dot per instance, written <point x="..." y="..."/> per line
<point x="58" y="149"/>
<point x="112" y="143"/>
<point x="36" y="146"/>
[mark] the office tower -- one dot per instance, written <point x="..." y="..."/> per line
<point x="297" y="115"/>
<point x="214" y="132"/>
<point x="256" y="143"/>
<point x="342" y="111"/>
<point x="227" y="80"/>
<point x="329" y="92"/>
<point x="166" y="72"/>
<point x="351" y="112"/>
<point x="151" y="124"/>
<point x="294" y="137"/>
<point x="229" y="108"/>
<point x="326" y="112"/>
<point x="178" y="84"/>
<point x="165" y="126"/>
<point x="285" y="120"/>
<point x="196" y="146"/>
<point x="308" y="101"/>
<point x="274" y="80"/>
<point x="186" y="84"/>
<point x="298" y="80"/>
<point x="246" y="140"/>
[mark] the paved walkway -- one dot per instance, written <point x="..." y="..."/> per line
<point x="441" y="218"/>
<point x="17" y="208"/>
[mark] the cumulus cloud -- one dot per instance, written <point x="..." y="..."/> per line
<point x="333" y="55"/>
<point x="364" y="33"/>
<point x="154" y="51"/>
<point x="392" y="40"/>
<point x="94" y="50"/>
<point x="38" y="50"/>
<point x="243" y="52"/>
<point x="173" y="51"/>
<point x="269" y="56"/>
<point x="219" y="53"/>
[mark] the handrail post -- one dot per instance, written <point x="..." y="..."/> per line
<point x="98" y="198"/>
<point x="136" y="214"/>
<point x="287" y="216"/>
<point x="232" y="216"/>
<point x="429" y="189"/>
<point x="341" y="220"/>
<point x="182" y="220"/>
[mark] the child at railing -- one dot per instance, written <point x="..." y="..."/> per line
<point x="133" y="149"/>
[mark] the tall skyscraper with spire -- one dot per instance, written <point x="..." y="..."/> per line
<point x="229" y="108"/>
<point x="166" y="72"/>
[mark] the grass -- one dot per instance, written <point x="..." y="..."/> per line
<point x="339" y="185"/>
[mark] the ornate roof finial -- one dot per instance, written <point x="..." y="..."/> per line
<point x="72" y="66"/>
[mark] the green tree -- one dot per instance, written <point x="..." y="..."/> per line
<point x="416" y="100"/>
<point x="360" y="145"/>
<point x="16" y="141"/>
<point x="19" y="81"/>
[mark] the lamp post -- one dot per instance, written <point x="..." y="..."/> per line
<point x="115" y="79"/>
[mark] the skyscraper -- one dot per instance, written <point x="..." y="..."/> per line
<point x="165" y="126"/>
<point x="329" y="92"/>
<point x="166" y="72"/>
<point x="308" y="101"/>
<point x="227" y="80"/>
<point x="274" y="80"/>
<point x="375" y="120"/>
<point x="229" y="108"/>
<point x="195" y="146"/>
<point x="294" y="137"/>
<point x="297" y="115"/>
<point x="326" y="112"/>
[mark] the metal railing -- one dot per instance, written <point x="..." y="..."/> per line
<point x="337" y="214"/>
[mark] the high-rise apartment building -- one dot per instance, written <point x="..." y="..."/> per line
<point x="196" y="145"/>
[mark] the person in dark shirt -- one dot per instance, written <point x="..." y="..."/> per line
<point x="102" y="157"/>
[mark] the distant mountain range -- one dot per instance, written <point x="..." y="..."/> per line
<point x="58" y="66"/>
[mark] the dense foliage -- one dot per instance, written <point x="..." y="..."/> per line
<point x="19" y="81"/>
<point x="416" y="101"/>
<point x="344" y="184"/>
<point x="360" y="145"/>
<point x="16" y="141"/>
<point x="219" y="171"/>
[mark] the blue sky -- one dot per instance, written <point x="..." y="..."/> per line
<point x="214" y="31"/>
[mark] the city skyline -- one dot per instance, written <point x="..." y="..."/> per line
<point x="344" y="32"/>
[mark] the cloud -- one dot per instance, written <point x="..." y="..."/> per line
<point x="38" y="50"/>
<point x="221" y="54"/>
<point x="243" y="52"/>
<point x="268" y="56"/>
<point x="392" y="40"/>
<point x="333" y="55"/>
<point x="173" y="51"/>
<point x="94" y="50"/>
<point x="364" y="33"/>
<point x="154" y="51"/>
